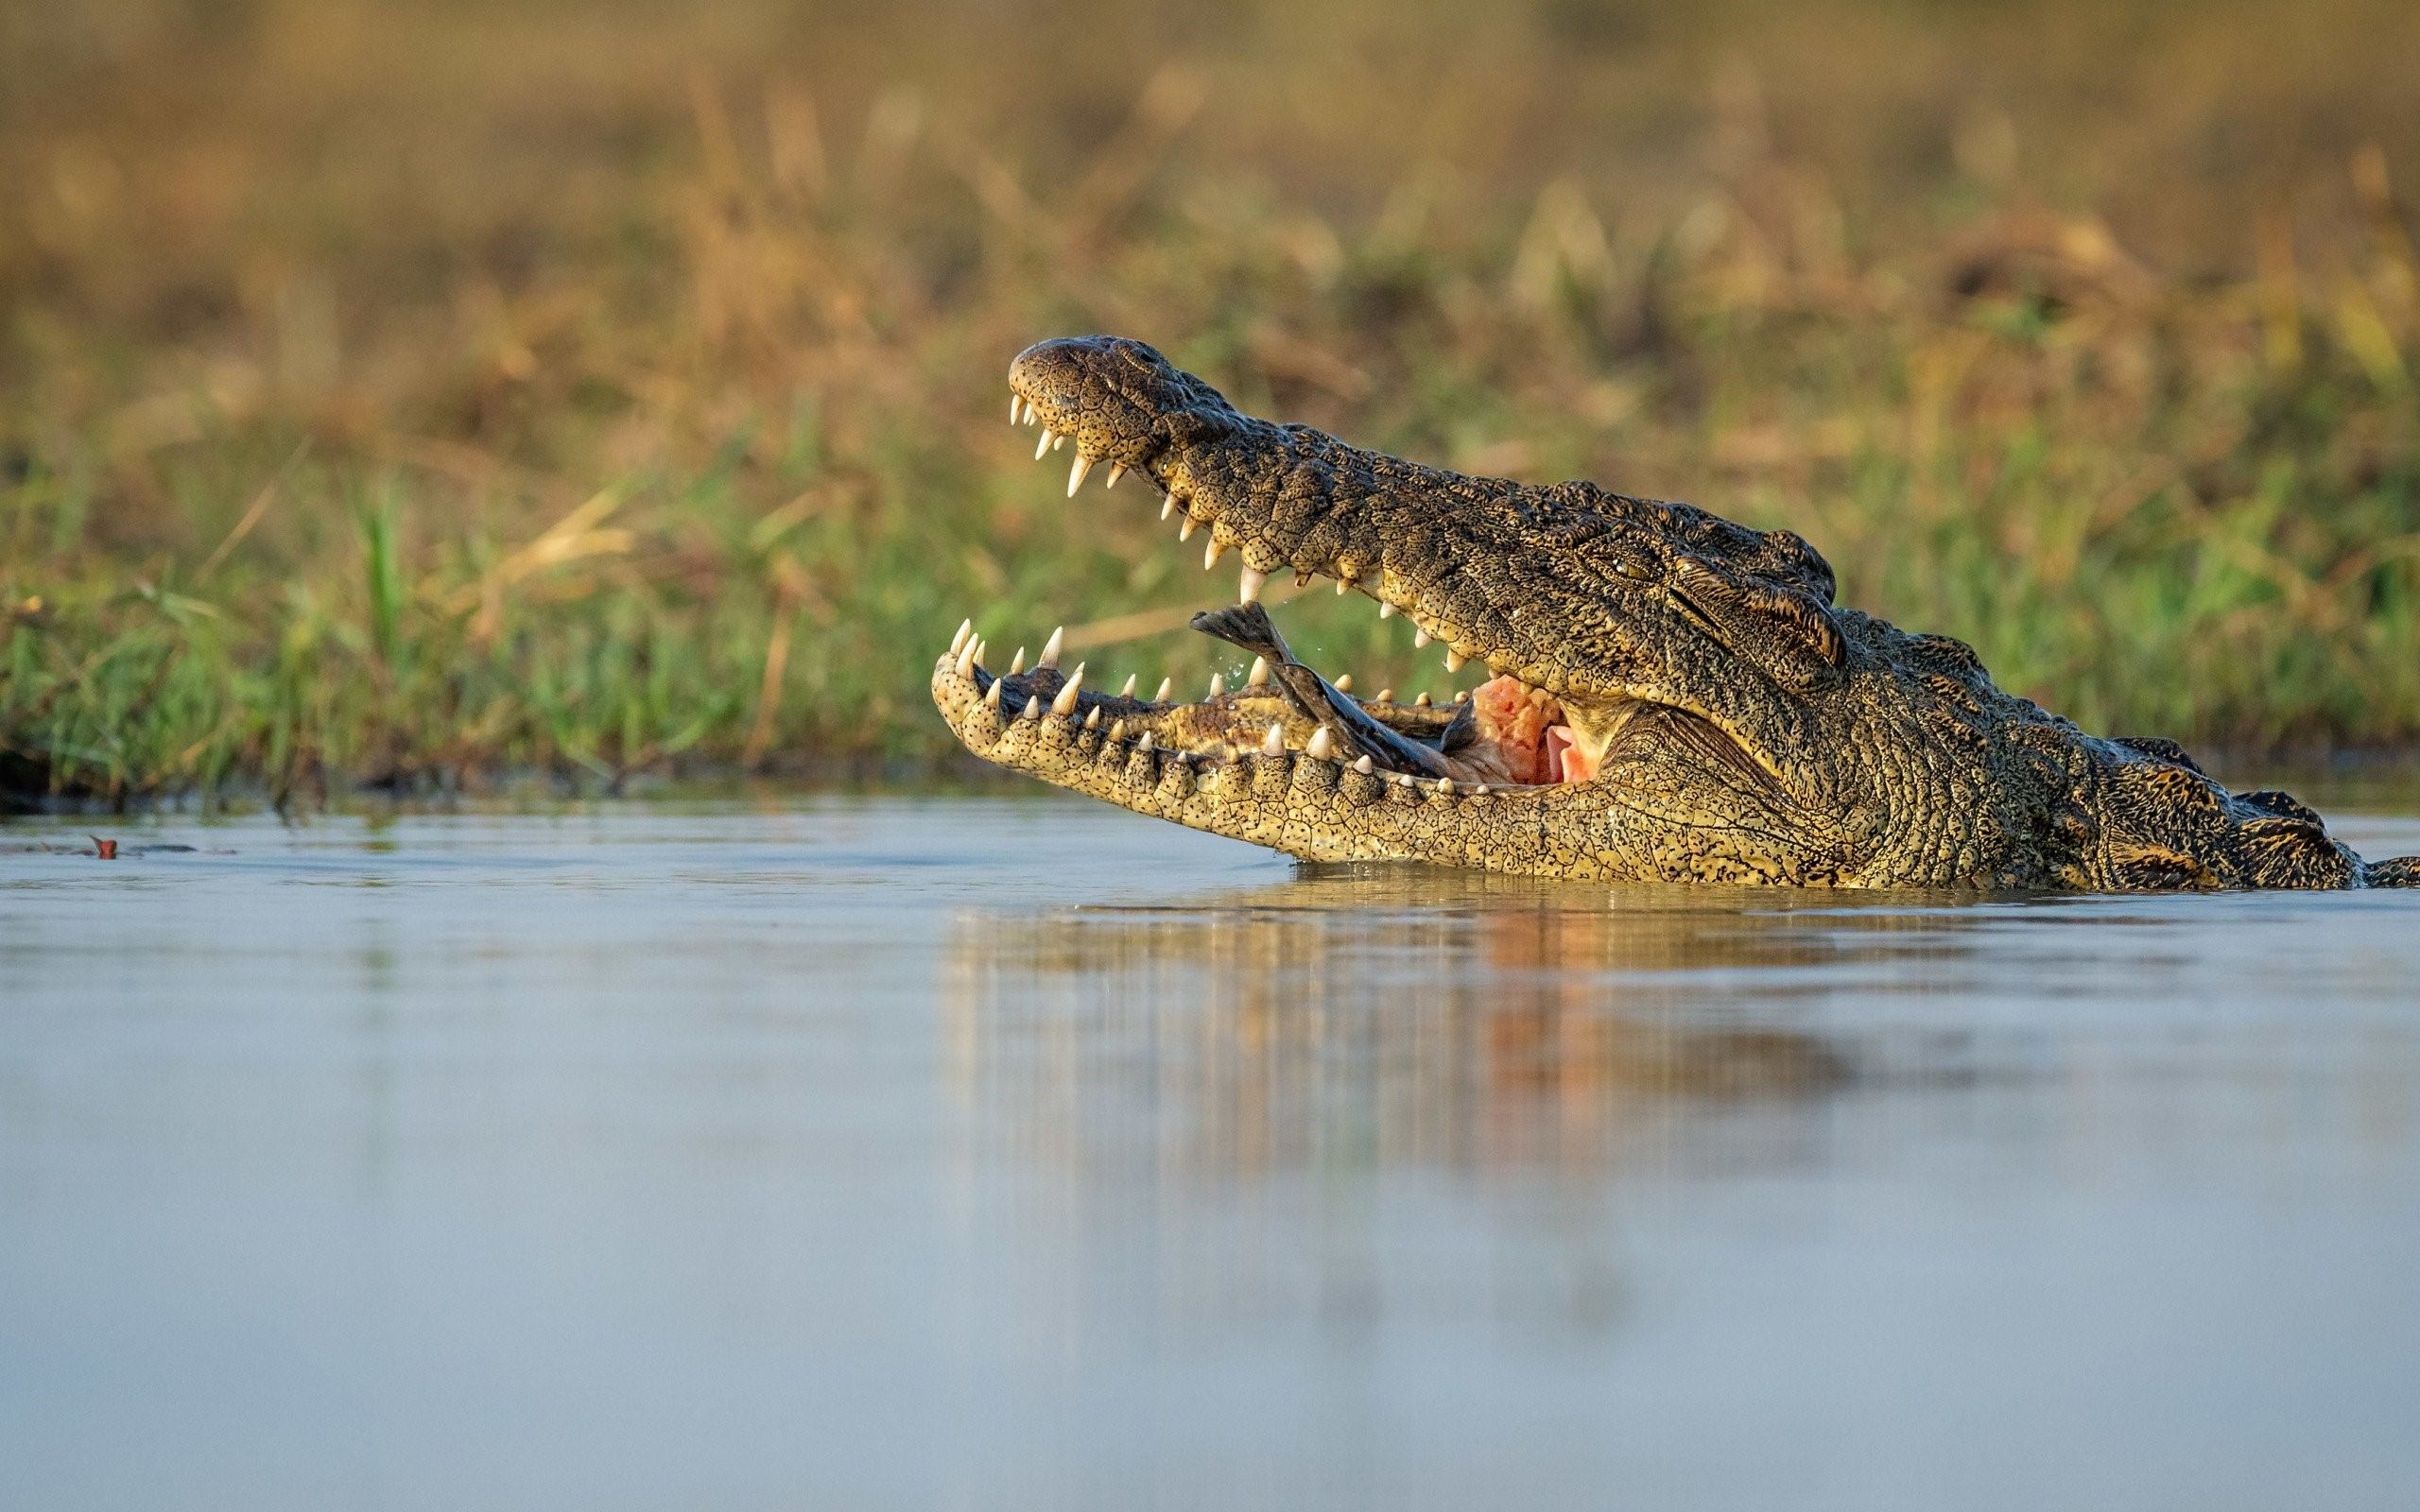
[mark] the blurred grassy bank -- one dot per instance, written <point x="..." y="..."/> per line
<point x="417" y="392"/>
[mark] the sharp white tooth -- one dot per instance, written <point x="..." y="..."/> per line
<point x="1033" y="708"/>
<point x="1445" y="785"/>
<point x="966" y="656"/>
<point x="1274" y="743"/>
<point x="1031" y="415"/>
<point x="1015" y="404"/>
<point x="1249" y="590"/>
<point x="1323" y="745"/>
<point x="1017" y="664"/>
<point x="1057" y="441"/>
<point x="1210" y="550"/>
<point x="1050" y="647"/>
<point x="1345" y="684"/>
<point x="1258" y="676"/>
<point x="1480" y="791"/>
<point x="1402" y="778"/>
<point x="1092" y="721"/>
<point x="1362" y="764"/>
<point x="965" y="633"/>
<point x="1184" y="531"/>
<point x="1421" y="702"/>
<point x="1145" y="744"/>
<point x="1218" y="684"/>
<point x="1075" y="471"/>
<point x="992" y="694"/>
<point x="1419" y="639"/>
<point x="1117" y="729"/>
<point x="1065" y="703"/>
<point x="1043" y="445"/>
<point x="1384" y="695"/>
<point x="1386" y="611"/>
<point x="1341" y="584"/>
<point x="1454" y="660"/>
<point x="1128" y="690"/>
<point x="1167" y="685"/>
<point x="1116" y="471"/>
<point x="1168" y="504"/>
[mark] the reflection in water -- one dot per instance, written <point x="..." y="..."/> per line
<point x="1402" y="1016"/>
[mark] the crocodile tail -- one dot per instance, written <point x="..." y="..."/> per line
<point x="2402" y="872"/>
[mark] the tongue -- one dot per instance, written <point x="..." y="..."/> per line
<point x="1566" y="761"/>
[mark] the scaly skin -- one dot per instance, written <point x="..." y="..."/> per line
<point x="1744" y="728"/>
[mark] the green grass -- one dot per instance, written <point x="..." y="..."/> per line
<point x="524" y="407"/>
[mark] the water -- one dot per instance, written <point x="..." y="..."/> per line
<point x="1022" y="1153"/>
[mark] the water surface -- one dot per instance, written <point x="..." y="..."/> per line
<point x="1023" y="1152"/>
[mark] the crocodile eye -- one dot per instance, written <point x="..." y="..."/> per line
<point x="1631" y="570"/>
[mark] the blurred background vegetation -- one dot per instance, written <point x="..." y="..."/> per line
<point x="422" y="392"/>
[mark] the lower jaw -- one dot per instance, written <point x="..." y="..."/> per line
<point x="1247" y="726"/>
<point x="1307" y="806"/>
<point x="1254" y="721"/>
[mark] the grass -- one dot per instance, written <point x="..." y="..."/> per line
<point x="412" y="395"/>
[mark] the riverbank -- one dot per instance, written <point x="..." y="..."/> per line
<point x="532" y="407"/>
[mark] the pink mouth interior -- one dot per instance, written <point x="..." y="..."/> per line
<point x="1565" y="758"/>
<point x="1526" y="735"/>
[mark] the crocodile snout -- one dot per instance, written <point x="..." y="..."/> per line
<point x="1120" y="400"/>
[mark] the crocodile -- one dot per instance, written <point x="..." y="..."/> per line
<point x="1674" y="696"/>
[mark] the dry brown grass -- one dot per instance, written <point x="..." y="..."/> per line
<point x="411" y="391"/>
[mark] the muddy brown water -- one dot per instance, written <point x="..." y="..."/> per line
<point x="1016" y="1152"/>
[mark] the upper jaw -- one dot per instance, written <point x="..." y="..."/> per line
<point x="1061" y="410"/>
<point x="1199" y="494"/>
<point x="1074" y="393"/>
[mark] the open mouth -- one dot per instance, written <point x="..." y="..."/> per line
<point x="1504" y="734"/>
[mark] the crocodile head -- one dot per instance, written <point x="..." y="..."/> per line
<point x="1673" y="696"/>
